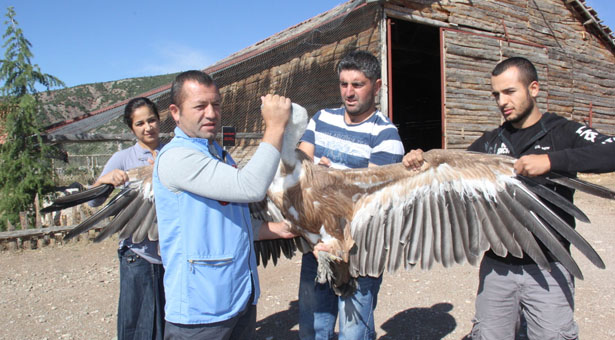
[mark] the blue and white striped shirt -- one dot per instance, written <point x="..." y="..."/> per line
<point x="374" y="140"/>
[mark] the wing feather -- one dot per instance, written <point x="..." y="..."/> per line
<point x="148" y="222"/>
<point x="427" y="254"/>
<point x="496" y="212"/>
<point x="518" y="213"/>
<point x="396" y="247"/>
<point x="559" y="225"/>
<point x="459" y="229"/>
<point x="116" y="204"/>
<point x="137" y="212"/>
<point x="436" y="226"/>
<point x="415" y="244"/>
<point x="446" y="234"/>
<point x="72" y="200"/>
<point x="120" y="220"/>
<point x="152" y="233"/>
<point x="272" y="250"/>
<point x="581" y="185"/>
<point x="459" y="205"/>
<point x="536" y="185"/>
<point x="488" y="229"/>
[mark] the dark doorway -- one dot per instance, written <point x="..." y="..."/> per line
<point x="415" y="53"/>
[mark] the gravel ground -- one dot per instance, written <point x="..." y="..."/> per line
<point x="70" y="291"/>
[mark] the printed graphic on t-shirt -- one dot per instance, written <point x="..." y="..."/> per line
<point x="587" y="133"/>
<point x="503" y="150"/>
<point x="544" y="148"/>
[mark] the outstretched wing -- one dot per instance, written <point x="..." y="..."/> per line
<point x="272" y="250"/>
<point x="134" y="215"/>
<point x="457" y="206"/>
<point x="132" y="208"/>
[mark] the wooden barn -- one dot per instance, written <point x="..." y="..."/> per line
<point x="436" y="58"/>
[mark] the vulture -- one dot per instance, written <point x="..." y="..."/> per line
<point x="458" y="205"/>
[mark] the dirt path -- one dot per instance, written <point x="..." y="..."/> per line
<point x="70" y="291"/>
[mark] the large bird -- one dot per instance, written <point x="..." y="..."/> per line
<point x="455" y="207"/>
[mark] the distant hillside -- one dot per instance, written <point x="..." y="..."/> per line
<point x="59" y="105"/>
<point x="87" y="159"/>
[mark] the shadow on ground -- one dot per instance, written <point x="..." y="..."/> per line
<point x="430" y="323"/>
<point x="278" y="326"/>
<point x="434" y="323"/>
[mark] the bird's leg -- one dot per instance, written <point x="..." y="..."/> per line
<point x="335" y="271"/>
<point x="324" y="273"/>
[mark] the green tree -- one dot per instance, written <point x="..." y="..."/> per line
<point x="25" y="168"/>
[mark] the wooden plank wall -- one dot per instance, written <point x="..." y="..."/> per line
<point x="303" y="70"/>
<point x="309" y="79"/>
<point x="576" y="69"/>
<point x="469" y="59"/>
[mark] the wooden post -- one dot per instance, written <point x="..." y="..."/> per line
<point x="23" y="219"/>
<point x="59" y="238"/>
<point x="42" y="241"/>
<point x="9" y="225"/>
<point x="74" y="216"/>
<point x="37" y="217"/>
<point x="13" y="244"/>
<point x="56" y="218"/>
<point x="82" y="214"/>
<point x="33" y="242"/>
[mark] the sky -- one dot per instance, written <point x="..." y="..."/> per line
<point x="88" y="41"/>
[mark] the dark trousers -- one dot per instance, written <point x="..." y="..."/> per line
<point x="141" y="306"/>
<point x="240" y="327"/>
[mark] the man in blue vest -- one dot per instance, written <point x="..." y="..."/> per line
<point x="211" y="280"/>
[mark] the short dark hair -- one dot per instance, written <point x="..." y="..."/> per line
<point x="192" y="75"/>
<point x="136" y="103"/>
<point x="527" y="71"/>
<point x="362" y="61"/>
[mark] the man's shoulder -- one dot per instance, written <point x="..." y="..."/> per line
<point x="380" y="118"/>
<point x="553" y="118"/>
<point x="337" y="111"/>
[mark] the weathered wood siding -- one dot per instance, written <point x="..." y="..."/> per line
<point x="576" y="69"/>
<point x="468" y="60"/>
<point x="302" y="69"/>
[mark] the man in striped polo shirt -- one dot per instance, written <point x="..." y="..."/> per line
<point x="356" y="135"/>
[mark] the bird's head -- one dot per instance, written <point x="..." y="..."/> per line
<point x="294" y="130"/>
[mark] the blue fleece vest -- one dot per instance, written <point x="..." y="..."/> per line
<point x="206" y="248"/>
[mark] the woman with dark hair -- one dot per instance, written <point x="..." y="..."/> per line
<point x="141" y="303"/>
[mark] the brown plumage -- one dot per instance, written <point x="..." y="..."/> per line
<point x="453" y="209"/>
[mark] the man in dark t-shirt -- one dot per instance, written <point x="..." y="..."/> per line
<point x="511" y="286"/>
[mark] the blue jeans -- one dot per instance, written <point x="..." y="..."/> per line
<point x="141" y="305"/>
<point x="319" y="307"/>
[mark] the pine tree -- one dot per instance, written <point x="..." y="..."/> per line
<point x="25" y="168"/>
